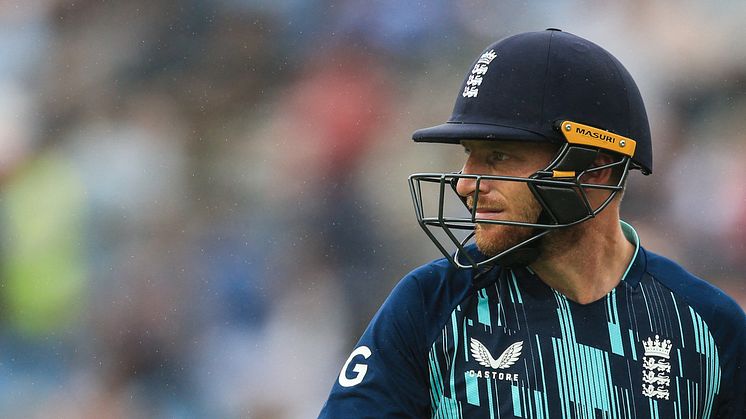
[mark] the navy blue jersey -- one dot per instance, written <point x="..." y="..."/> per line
<point x="662" y="344"/>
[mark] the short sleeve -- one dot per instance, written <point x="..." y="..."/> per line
<point x="731" y="336"/>
<point x="386" y="373"/>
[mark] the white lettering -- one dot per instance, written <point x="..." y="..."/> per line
<point x="493" y="375"/>
<point x="360" y="369"/>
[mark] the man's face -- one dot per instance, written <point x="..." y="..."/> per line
<point x="498" y="199"/>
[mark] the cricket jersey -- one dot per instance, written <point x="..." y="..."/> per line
<point x="502" y="344"/>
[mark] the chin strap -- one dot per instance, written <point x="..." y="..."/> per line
<point x="531" y="251"/>
<point x="482" y="277"/>
<point x="522" y="256"/>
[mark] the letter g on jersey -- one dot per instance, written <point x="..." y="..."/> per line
<point x="360" y="369"/>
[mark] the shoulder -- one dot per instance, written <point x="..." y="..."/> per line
<point x="439" y="278"/>
<point x="387" y="374"/>
<point x="425" y="298"/>
<point x="708" y="300"/>
<point x="724" y="317"/>
<point x="441" y="273"/>
<point x="434" y="286"/>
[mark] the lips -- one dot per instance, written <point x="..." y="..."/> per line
<point x="487" y="213"/>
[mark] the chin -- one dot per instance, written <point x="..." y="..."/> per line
<point x="494" y="239"/>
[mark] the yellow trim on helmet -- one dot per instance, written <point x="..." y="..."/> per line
<point x="561" y="173"/>
<point x="576" y="133"/>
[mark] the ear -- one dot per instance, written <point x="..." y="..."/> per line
<point x="600" y="176"/>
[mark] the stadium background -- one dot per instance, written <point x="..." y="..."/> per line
<point x="203" y="202"/>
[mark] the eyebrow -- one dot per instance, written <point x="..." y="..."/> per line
<point x="493" y="145"/>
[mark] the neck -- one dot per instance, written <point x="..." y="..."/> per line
<point x="585" y="262"/>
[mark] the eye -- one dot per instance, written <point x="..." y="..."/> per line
<point x="497" y="156"/>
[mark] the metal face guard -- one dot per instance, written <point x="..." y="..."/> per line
<point x="560" y="193"/>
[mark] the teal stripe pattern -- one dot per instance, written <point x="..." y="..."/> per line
<point x="483" y="309"/>
<point x="632" y="345"/>
<point x="517" y="411"/>
<point x="615" y="332"/>
<point x="582" y="371"/>
<point x="449" y="409"/>
<point x="515" y="287"/>
<point x="539" y="403"/>
<point x="436" y="380"/>
<point x="454" y="330"/>
<point x="705" y="345"/>
<point x="677" y="405"/>
<point x="575" y="361"/>
<point x="653" y="405"/>
<point x="544" y="404"/>
<point x="678" y="317"/>
<point x="443" y="407"/>
<point x="489" y="399"/>
<point x="472" y="389"/>
<point x="465" y="339"/>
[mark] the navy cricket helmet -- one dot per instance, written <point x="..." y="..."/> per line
<point x="548" y="86"/>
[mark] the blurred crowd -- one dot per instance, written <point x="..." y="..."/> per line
<point x="202" y="203"/>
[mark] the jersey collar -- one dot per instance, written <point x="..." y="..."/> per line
<point x="636" y="266"/>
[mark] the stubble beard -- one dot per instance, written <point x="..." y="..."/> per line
<point x="493" y="239"/>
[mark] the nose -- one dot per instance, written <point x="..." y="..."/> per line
<point x="467" y="186"/>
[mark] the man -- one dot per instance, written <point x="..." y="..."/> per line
<point x="556" y="311"/>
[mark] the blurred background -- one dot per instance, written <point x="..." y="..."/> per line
<point x="202" y="203"/>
